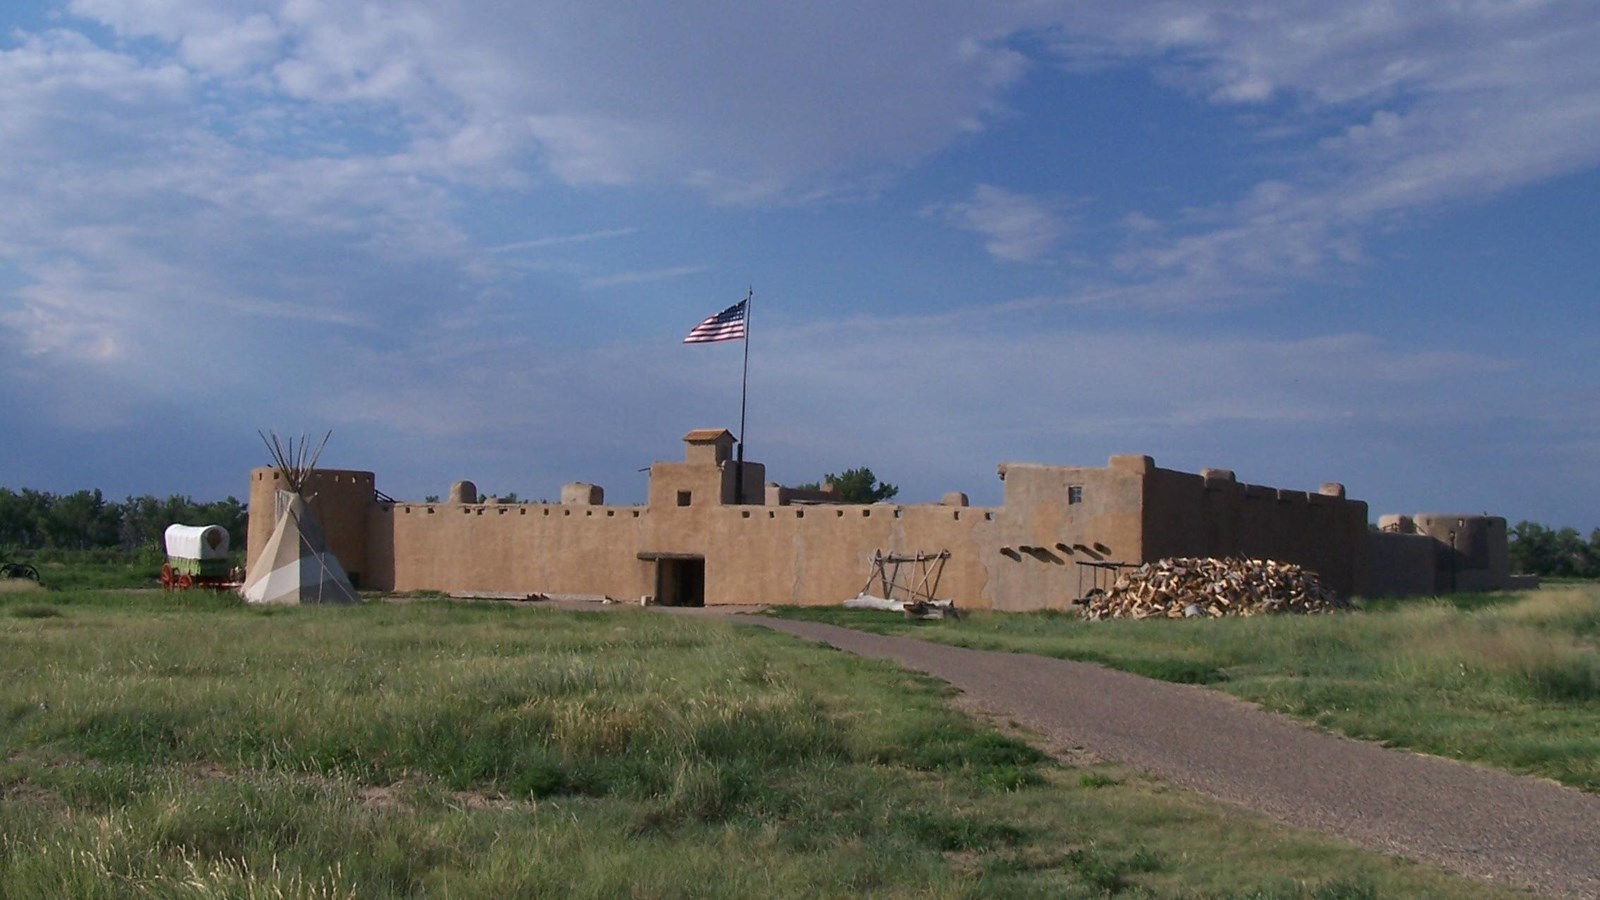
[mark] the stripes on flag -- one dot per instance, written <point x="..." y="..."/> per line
<point x="727" y="325"/>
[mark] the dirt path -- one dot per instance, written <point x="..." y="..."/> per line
<point x="1482" y="822"/>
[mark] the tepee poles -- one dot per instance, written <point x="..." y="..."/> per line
<point x="296" y="462"/>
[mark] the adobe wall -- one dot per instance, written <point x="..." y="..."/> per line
<point x="1052" y="540"/>
<point x="1473" y="550"/>
<point x="1470" y="553"/>
<point x="1400" y="565"/>
<point x="339" y="498"/>
<point x="1057" y="519"/>
<point x="822" y="555"/>
<point x="527" y="548"/>
<point x="1215" y="515"/>
<point x="753" y="554"/>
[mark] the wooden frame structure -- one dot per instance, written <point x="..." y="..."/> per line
<point x="921" y="570"/>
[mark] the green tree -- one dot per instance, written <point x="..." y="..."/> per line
<point x="82" y="521"/>
<point x="857" y="486"/>
<point x="1557" y="553"/>
<point x="20" y="516"/>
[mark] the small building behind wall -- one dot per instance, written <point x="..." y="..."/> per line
<point x="1442" y="553"/>
<point x="713" y="532"/>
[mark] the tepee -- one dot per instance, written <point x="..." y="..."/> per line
<point x="296" y="566"/>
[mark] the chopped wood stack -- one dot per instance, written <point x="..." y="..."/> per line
<point x="1184" y="588"/>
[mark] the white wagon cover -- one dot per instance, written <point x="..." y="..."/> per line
<point x="197" y="541"/>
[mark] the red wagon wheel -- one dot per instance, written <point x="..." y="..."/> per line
<point x="185" y="581"/>
<point x="166" y="576"/>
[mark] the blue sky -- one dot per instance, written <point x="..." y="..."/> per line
<point x="1305" y="241"/>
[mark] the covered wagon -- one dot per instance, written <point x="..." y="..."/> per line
<point x="196" y="555"/>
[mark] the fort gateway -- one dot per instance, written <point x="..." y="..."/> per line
<point x="711" y="534"/>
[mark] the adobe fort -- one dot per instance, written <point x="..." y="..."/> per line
<point x="713" y="534"/>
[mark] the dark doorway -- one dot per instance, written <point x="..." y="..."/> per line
<point x="681" y="582"/>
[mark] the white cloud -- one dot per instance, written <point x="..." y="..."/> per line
<point x="1015" y="227"/>
<point x="751" y="102"/>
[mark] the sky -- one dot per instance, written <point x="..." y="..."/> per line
<point x="1308" y="242"/>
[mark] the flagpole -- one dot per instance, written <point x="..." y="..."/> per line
<point x="744" y="390"/>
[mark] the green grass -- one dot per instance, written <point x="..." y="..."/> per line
<point x="80" y="570"/>
<point x="88" y="570"/>
<point x="1508" y="680"/>
<point x="183" y="745"/>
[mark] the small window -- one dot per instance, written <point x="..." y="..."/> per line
<point x="684" y="497"/>
<point x="1074" y="493"/>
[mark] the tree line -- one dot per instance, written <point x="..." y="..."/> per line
<point x="1554" y="552"/>
<point x="87" y="520"/>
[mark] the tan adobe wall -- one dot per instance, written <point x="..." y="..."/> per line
<point x="1400" y="565"/>
<point x="520" y="547"/>
<point x="753" y="554"/>
<point x="702" y="484"/>
<point x="1473" y="553"/>
<point x="1192" y="515"/>
<point x="822" y="555"/>
<point x="1454" y="553"/>
<point x="1046" y="540"/>
<point x="1047" y="543"/>
<point x="339" y="498"/>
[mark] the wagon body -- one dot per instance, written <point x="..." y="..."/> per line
<point x="195" y="554"/>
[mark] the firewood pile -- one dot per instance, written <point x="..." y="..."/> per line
<point x="1186" y="588"/>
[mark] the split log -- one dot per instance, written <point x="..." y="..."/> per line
<point x="1180" y="588"/>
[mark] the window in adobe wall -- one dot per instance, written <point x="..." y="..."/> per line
<point x="1074" y="493"/>
<point x="684" y="497"/>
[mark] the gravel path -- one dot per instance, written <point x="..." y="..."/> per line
<point x="1481" y="822"/>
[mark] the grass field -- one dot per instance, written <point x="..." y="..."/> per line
<point x="181" y="745"/>
<point x="73" y="570"/>
<point x="1510" y="680"/>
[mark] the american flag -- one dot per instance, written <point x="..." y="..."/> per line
<point x="727" y="325"/>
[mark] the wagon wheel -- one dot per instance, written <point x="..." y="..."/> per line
<point x="185" y="581"/>
<point x="166" y="576"/>
<point x="23" y="570"/>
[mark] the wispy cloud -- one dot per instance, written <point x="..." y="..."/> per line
<point x="563" y="240"/>
<point x="622" y="278"/>
<point x="1451" y="104"/>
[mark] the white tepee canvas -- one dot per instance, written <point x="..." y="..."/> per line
<point x="296" y="566"/>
